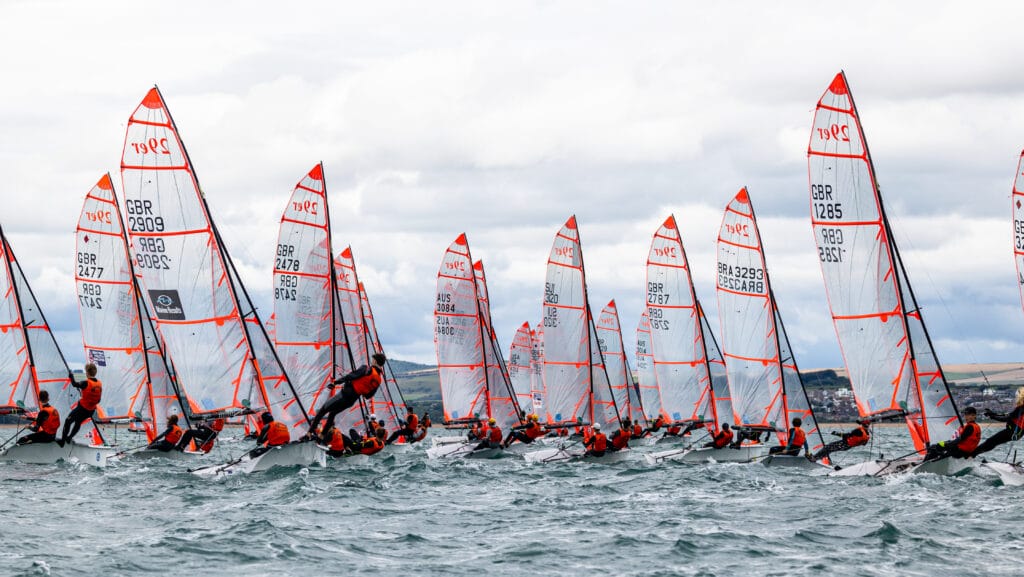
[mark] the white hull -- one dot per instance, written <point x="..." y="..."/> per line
<point x="357" y="459"/>
<point x="794" y="462"/>
<point x="170" y="455"/>
<point x="575" y="453"/>
<point x="291" y="455"/>
<point x="744" y="454"/>
<point x="464" y="450"/>
<point x="880" y="468"/>
<point x="438" y="441"/>
<point x="397" y="448"/>
<point x="1011" y="475"/>
<point x="47" y="453"/>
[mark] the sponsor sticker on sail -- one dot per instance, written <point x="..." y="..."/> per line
<point x="167" y="305"/>
<point x="97" y="358"/>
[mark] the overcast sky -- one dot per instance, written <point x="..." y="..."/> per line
<point x="501" y="119"/>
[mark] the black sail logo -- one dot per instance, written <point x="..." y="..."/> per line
<point x="167" y="305"/>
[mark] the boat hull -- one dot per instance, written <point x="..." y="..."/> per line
<point x="448" y="440"/>
<point x="794" y="462"/>
<point x="169" y="455"/>
<point x="291" y="455"/>
<point x="47" y="453"/>
<point x="353" y="459"/>
<point x="947" y="466"/>
<point x="1011" y="475"/>
<point x="577" y="453"/>
<point x="464" y="450"/>
<point x="743" y="454"/>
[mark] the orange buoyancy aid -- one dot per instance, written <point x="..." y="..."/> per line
<point x="91" y="394"/>
<point x="173" y="435"/>
<point x="723" y="438"/>
<point x="659" y="422"/>
<point x="638" y="431"/>
<point x="1018" y="420"/>
<point x="534" y="430"/>
<point x="600" y="442"/>
<point x="798" y="438"/>
<point x="51" y="421"/>
<point x="494" y="435"/>
<point x="217" y="425"/>
<point x="412" y="423"/>
<point x="371" y="445"/>
<point x="858" y="437"/>
<point x="673" y="430"/>
<point x="621" y="440"/>
<point x="366" y="385"/>
<point x="563" y="432"/>
<point x="277" y="435"/>
<point x="337" y="441"/>
<point x="969" y="436"/>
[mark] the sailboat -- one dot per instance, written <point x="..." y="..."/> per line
<point x="688" y="365"/>
<point x="764" y="382"/>
<point x="609" y="338"/>
<point x="889" y="356"/>
<point x="579" y="392"/>
<point x="520" y="367"/>
<point x="224" y="361"/>
<point x="139" y="388"/>
<point x="474" y="380"/>
<point x="30" y="362"/>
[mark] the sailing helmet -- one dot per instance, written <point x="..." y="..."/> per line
<point x="597" y="426"/>
<point x="373" y="416"/>
<point x="491" y="421"/>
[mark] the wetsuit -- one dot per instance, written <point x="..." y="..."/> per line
<point x="854" y="438"/>
<point x="362" y="382"/>
<point x="167" y="440"/>
<point x="202" y="434"/>
<point x="44" y="428"/>
<point x="1013" y="431"/>
<point x="527" y="435"/>
<point x="408" y="431"/>
<point x="92" y="390"/>
<point x="797" y="440"/>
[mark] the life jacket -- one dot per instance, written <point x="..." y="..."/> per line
<point x="658" y="423"/>
<point x="723" y="438"/>
<point x="426" y="422"/>
<point x="371" y="445"/>
<point x="637" y="431"/>
<point x="52" y="420"/>
<point x="858" y="437"/>
<point x="534" y="431"/>
<point x="673" y="430"/>
<point x="969" y="436"/>
<point x="600" y="442"/>
<point x="621" y="440"/>
<point x="366" y="385"/>
<point x="797" y="438"/>
<point x="482" y="431"/>
<point x="413" y="422"/>
<point x="277" y="435"/>
<point x="173" y="434"/>
<point x="494" y="435"/>
<point x="1018" y="420"/>
<point x="91" y="394"/>
<point x="217" y="425"/>
<point x="337" y="442"/>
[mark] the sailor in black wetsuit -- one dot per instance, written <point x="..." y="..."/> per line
<point x="1014" y="426"/>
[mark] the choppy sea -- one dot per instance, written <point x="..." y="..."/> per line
<point x="403" y="515"/>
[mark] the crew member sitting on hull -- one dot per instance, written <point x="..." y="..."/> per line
<point x="620" y="438"/>
<point x="169" y="439"/>
<point x="203" y="434"/>
<point x="273" y="434"/>
<point x="334" y="441"/>
<point x="596" y="444"/>
<point x="965" y="442"/>
<point x="44" y="427"/>
<point x="656" y="425"/>
<point x="796" y="440"/>
<point x="855" y="438"/>
<point x="373" y="443"/>
<point x="409" y="431"/>
<point x="745" y="434"/>
<point x="638" y="430"/>
<point x="674" y="430"/>
<point x="721" y="439"/>
<point x="1014" y="425"/>
<point x="532" y="431"/>
<point x="92" y="391"/>
<point x="362" y="382"/>
<point x="493" y="438"/>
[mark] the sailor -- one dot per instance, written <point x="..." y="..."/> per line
<point x="531" y="431"/>
<point x="1014" y="425"/>
<point x="273" y="434"/>
<point x="362" y="382"/>
<point x="47" y="421"/>
<point x="167" y="440"/>
<point x="493" y="438"/>
<point x="722" y="438"/>
<point x="334" y="440"/>
<point x="797" y="439"/>
<point x="373" y="443"/>
<point x="620" y="438"/>
<point x="656" y="426"/>
<point x="412" y="424"/>
<point x="674" y="430"/>
<point x="92" y="390"/>
<point x="203" y="434"/>
<point x="855" y="438"/>
<point x="963" y="445"/>
<point x="597" y="443"/>
<point x="638" y="431"/>
<point x="425" y="420"/>
<point x="354" y="440"/>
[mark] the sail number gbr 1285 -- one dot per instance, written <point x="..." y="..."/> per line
<point x="823" y="206"/>
<point x="830" y="244"/>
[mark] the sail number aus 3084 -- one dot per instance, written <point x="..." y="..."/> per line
<point x="444" y="303"/>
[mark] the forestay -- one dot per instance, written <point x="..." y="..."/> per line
<point x="888" y="354"/>
<point x="223" y="359"/>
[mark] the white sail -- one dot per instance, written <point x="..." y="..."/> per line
<point x="520" y="367"/>
<point x="223" y="359"/>
<point x="609" y="336"/>
<point x="888" y="354"/>
<point x="538" y="388"/>
<point x="388" y="403"/>
<point x="1017" y="208"/>
<point x="650" y="396"/>
<point x="501" y="398"/>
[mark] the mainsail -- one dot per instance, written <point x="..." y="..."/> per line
<point x="678" y="336"/>
<point x="504" y="407"/>
<point x="889" y="356"/>
<point x="650" y="396"/>
<point x="388" y="403"/>
<point x="117" y="334"/>
<point x="574" y="371"/>
<point x="223" y="359"/>
<point x="520" y="367"/>
<point x="609" y="336"/>
<point x="763" y="378"/>
<point x="1018" y="224"/>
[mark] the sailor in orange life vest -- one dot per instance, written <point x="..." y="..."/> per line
<point x="493" y="438"/>
<point x="638" y="430"/>
<point x="532" y="430"/>
<point x="1014" y="425"/>
<point x="961" y="447"/>
<point x="596" y="444"/>
<point x="334" y="440"/>
<point x="656" y="424"/>
<point x="273" y="434"/>
<point x="373" y="443"/>
<point x="362" y="382"/>
<point x="409" y="430"/>
<point x="44" y="428"/>
<point x="204" y="435"/>
<point x="722" y="438"/>
<point x="620" y="438"/>
<point x="855" y="438"/>
<point x="92" y="391"/>
<point x="169" y="439"/>
<point x="796" y="440"/>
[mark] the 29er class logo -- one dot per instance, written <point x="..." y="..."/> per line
<point x="167" y="305"/>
